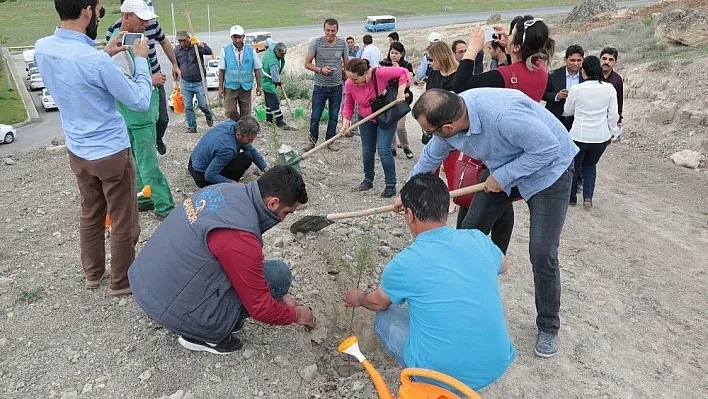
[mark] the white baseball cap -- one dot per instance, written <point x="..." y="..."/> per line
<point x="236" y="30"/>
<point x="139" y="8"/>
<point x="434" y="37"/>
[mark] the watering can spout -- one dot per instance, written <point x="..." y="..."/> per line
<point x="350" y="346"/>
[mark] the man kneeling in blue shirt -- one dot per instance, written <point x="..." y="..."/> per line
<point x="225" y="153"/>
<point x="454" y="323"/>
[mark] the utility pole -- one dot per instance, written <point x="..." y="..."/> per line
<point x="6" y="70"/>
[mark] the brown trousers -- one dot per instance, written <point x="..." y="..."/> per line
<point x="107" y="185"/>
<point x="237" y="103"/>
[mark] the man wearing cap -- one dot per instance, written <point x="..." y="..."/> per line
<point x="154" y="33"/>
<point x="424" y="69"/>
<point x="237" y="65"/>
<point x="141" y="124"/>
<point x="273" y="64"/>
<point x="85" y="83"/>
<point x="191" y="84"/>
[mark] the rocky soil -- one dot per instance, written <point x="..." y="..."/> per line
<point x="634" y="313"/>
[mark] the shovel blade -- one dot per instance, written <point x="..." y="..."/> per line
<point x="310" y="223"/>
<point x="288" y="156"/>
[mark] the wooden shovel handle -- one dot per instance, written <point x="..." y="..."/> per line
<point x="349" y="129"/>
<point x="389" y="208"/>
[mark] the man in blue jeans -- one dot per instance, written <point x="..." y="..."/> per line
<point x="191" y="84"/>
<point x="330" y="56"/>
<point x="529" y="154"/>
<point x="454" y="323"/>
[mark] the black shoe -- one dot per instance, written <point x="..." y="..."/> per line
<point x="394" y="152"/>
<point x="389" y="192"/>
<point x="210" y="122"/>
<point x="161" y="148"/>
<point x="226" y="347"/>
<point x="573" y="202"/>
<point x="366" y="185"/>
<point x="408" y="152"/>
<point x="191" y="130"/>
<point x="146" y="207"/>
<point x="284" y="126"/>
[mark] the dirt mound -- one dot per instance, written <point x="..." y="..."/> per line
<point x="684" y="27"/>
<point x="589" y="9"/>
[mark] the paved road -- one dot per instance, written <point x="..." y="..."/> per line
<point x="41" y="133"/>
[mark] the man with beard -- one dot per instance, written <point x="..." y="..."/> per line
<point x="86" y="84"/>
<point x="608" y="58"/>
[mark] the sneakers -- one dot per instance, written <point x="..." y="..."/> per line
<point x="161" y="148"/>
<point x="546" y="344"/>
<point x="226" y="347"/>
<point x="366" y="185"/>
<point x="191" y="130"/>
<point x="408" y="152"/>
<point x="388" y="192"/>
<point x="285" y="126"/>
<point x="210" y="122"/>
<point x="333" y="147"/>
<point x="587" y="203"/>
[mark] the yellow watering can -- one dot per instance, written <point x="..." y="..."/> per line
<point x="409" y="389"/>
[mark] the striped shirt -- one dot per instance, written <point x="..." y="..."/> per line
<point x="332" y="56"/>
<point x="153" y="33"/>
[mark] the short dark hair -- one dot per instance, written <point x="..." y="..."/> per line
<point x="574" y="49"/>
<point x="247" y="126"/>
<point x="71" y="9"/>
<point x="283" y="182"/>
<point x="427" y="197"/>
<point x="592" y="68"/>
<point x="348" y="38"/>
<point x="439" y="107"/>
<point x="331" y="21"/>
<point x="497" y="46"/>
<point x="367" y="39"/>
<point x="394" y="36"/>
<point x="456" y="43"/>
<point x="611" y="51"/>
<point x="358" y="66"/>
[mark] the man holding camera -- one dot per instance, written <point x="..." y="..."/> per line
<point x="153" y="32"/>
<point x="86" y="84"/>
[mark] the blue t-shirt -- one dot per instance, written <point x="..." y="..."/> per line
<point x="450" y="280"/>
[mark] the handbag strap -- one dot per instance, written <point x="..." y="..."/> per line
<point x="376" y="87"/>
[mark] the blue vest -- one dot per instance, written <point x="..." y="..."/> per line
<point x="176" y="279"/>
<point x="238" y="76"/>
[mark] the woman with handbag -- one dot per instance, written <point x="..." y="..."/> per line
<point x="370" y="90"/>
<point x="397" y="58"/>
<point x="594" y="105"/>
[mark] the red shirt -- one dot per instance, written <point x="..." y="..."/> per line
<point x="240" y="254"/>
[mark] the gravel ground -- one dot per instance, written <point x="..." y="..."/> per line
<point x="633" y="310"/>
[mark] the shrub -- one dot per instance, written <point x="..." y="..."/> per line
<point x="298" y="85"/>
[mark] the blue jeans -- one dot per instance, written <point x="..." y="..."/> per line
<point x="278" y="277"/>
<point x="586" y="166"/>
<point x="189" y="90"/>
<point x="375" y="138"/>
<point x="547" y="210"/>
<point x="392" y="326"/>
<point x="321" y="95"/>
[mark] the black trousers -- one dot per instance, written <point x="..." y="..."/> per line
<point x="164" y="119"/>
<point x="234" y="170"/>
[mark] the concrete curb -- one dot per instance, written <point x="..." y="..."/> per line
<point x="30" y="109"/>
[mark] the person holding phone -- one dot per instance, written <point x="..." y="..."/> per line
<point x="562" y="79"/>
<point x="86" y="84"/>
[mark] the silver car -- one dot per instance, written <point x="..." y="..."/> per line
<point x="47" y="100"/>
<point x="7" y="133"/>
<point x="36" y="82"/>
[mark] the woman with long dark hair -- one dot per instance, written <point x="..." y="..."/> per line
<point x="594" y="105"/>
<point x="397" y="58"/>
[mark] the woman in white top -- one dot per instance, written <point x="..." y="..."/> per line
<point x="594" y="105"/>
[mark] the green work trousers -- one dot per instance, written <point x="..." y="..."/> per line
<point x="147" y="170"/>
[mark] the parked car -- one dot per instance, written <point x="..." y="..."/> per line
<point x="212" y="80"/>
<point x="213" y="65"/>
<point x="31" y="72"/>
<point x="36" y="82"/>
<point x="8" y="133"/>
<point x="47" y="100"/>
<point x="169" y="102"/>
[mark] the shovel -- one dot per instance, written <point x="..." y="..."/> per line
<point x="287" y="101"/>
<point x="288" y="156"/>
<point x="312" y="223"/>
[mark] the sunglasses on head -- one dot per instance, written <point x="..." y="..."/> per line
<point x="528" y="24"/>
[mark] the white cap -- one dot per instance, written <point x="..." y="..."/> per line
<point x="236" y="30"/>
<point x="434" y="37"/>
<point x="139" y="8"/>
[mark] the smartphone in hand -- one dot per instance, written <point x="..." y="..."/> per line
<point x="129" y="39"/>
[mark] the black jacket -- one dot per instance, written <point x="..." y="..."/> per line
<point x="556" y="83"/>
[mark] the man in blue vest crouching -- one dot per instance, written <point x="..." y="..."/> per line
<point x="202" y="272"/>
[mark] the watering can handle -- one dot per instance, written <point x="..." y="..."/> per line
<point x="409" y="373"/>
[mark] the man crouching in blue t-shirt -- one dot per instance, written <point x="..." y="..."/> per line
<point x="454" y="323"/>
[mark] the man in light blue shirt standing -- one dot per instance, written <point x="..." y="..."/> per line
<point x="454" y="323"/>
<point x="85" y="84"/>
<point x="529" y="154"/>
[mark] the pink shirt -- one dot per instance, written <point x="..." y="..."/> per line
<point x="362" y="95"/>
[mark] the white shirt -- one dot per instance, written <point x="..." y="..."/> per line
<point x="372" y="54"/>
<point x="239" y="57"/>
<point x="594" y="105"/>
